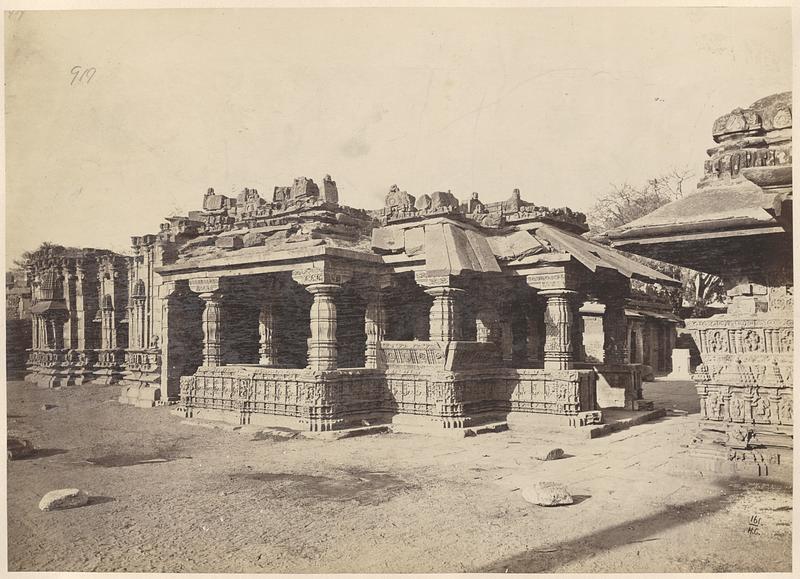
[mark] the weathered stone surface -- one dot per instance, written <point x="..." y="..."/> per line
<point x="397" y="198"/>
<point x="19" y="448"/>
<point x="229" y="242"/>
<point x="63" y="499"/>
<point x="552" y="454"/>
<point x="547" y="494"/>
<point x="252" y="239"/>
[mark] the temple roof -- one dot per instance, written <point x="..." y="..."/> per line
<point x="596" y="256"/>
<point x="451" y="247"/>
<point x="436" y="233"/>
<point x="743" y="200"/>
<point x="746" y="206"/>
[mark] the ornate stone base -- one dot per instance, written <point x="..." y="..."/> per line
<point x="50" y="378"/>
<point x="420" y="389"/>
<point x="745" y="385"/>
<point x="712" y="450"/>
<point x="79" y="367"/>
<point x="108" y="369"/>
<point x="141" y="396"/>
<point x="141" y="381"/>
<point x="46" y="368"/>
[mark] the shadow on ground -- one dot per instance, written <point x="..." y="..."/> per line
<point x="635" y="531"/>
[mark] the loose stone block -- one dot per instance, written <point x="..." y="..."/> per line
<point x="681" y="364"/>
<point x="547" y="494"/>
<point x="229" y="242"/>
<point x="19" y="448"/>
<point x="63" y="499"/>
<point x="553" y="454"/>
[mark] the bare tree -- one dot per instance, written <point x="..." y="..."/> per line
<point x="625" y="203"/>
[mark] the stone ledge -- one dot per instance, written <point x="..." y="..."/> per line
<point x="623" y="423"/>
<point x="429" y="426"/>
<point x="346" y="432"/>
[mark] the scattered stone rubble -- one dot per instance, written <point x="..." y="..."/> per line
<point x="547" y="494"/>
<point x="63" y="499"/>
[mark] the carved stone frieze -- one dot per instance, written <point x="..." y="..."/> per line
<point x="325" y="273"/>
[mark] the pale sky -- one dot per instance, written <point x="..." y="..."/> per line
<point x="557" y="102"/>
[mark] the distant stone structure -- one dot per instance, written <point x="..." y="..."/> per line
<point x="18" y="324"/>
<point x="77" y="315"/>
<point x="301" y="312"/>
<point x="738" y="225"/>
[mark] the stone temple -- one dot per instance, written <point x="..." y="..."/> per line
<point x="738" y="225"/>
<point x="300" y="312"/>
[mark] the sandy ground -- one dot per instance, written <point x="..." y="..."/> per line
<point x="173" y="497"/>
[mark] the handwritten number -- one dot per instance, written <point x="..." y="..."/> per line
<point x="82" y="75"/>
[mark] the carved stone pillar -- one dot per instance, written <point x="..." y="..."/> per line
<point x="141" y="323"/>
<point x="49" y="343"/>
<point x="322" y="348"/>
<point x="41" y="330"/>
<point x="487" y="326"/>
<point x="34" y="332"/>
<point x="444" y="319"/>
<point x="578" y="352"/>
<point x="615" y="328"/>
<point x="70" y="323"/>
<point x="107" y="329"/>
<point x="558" y="319"/>
<point x="212" y="346"/>
<point x="44" y="332"/>
<point x="374" y="326"/>
<point x="266" y="330"/>
<point x="83" y="327"/>
<point x="58" y="333"/>
<point x="170" y="388"/>
<point x="506" y="332"/>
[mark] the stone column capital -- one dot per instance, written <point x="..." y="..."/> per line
<point x="566" y="293"/>
<point x="324" y="273"/>
<point x="444" y="291"/>
<point x="323" y="289"/>
<point x="204" y="285"/>
<point x="211" y="296"/>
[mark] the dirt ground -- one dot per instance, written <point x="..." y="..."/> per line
<point x="173" y="497"/>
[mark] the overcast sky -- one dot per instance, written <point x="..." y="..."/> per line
<point x="557" y="102"/>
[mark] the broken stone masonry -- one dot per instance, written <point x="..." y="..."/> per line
<point x="300" y="312"/>
<point x="738" y="225"/>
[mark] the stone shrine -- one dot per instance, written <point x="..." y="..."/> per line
<point x="738" y="225"/>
